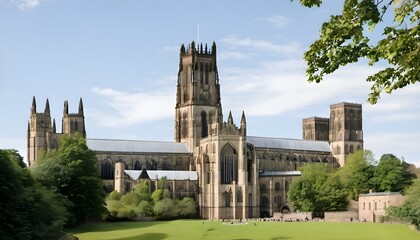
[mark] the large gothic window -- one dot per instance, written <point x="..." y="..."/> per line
<point x="228" y="164"/>
<point x="204" y="126"/>
<point x="137" y="165"/>
<point x="107" y="170"/>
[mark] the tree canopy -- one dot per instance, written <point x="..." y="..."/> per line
<point x="344" y="39"/>
<point x="27" y="209"/>
<point x="72" y="172"/>
<point x="410" y="210"/>
<point x="317" y="191"/>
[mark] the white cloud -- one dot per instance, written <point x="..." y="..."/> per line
<point x="170" y="49"/>
<point x="26" y="4"/>
<point x="125" y="109"/>
<point x="399" y="144"/>
<point x="261" y="45"/>
<point x="276" y="21"/>
<point x="276" y="87"/>
<point x="232" y="55"/>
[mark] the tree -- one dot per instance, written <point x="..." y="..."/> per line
<point x="316" y="190"/>
<point x="357" y="172"/>
<point x="345" y="39"/>
<point x="392" y="174"/>
<point x="410" y="210"/>
<point x="72" y="172"/>
<point x="27" y="209"/>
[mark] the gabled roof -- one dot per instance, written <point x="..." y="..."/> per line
<point x="158" y="174"/>
<point x="135" y="146"/>
<point x="289" y="144"/>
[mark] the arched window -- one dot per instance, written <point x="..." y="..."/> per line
<point x="107" y="169"/>
<point x="286" y="186"/>
<point x="204" y="126"/>
<point x="184" y="125"/>
<point x="351" y="148"/>
<point x="207" y="74"/>
<point x="263" y="188"/>
<point x="137" y="165"/>
<point x="228" y="164"/>
<point x="227" y="199"/>
<point x="264" y="201"/>
<point x="346" y="149"/>
<point x="277" y="187"/>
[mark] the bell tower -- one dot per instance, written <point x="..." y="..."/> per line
<point x="198" y="103"/>
<point x="73" y="122"/>
<point x="346" y="130"/>
<point x="39" y="131"/>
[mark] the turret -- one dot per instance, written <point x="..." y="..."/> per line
<point x="39" y="129"/>
<point x="230" y="118"/>
<point x="81" y="107"/>
<point x="47" y="107"/>
<point x="33" y="109"/>
<point x="243" y="124"/>
<point x="66" y="108"/>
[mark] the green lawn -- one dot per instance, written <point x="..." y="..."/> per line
<point x="196" y="229"/>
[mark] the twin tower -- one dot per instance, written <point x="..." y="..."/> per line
<point x="42" y="134"/>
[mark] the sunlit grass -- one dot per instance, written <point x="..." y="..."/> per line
<point x="198" y="229"/>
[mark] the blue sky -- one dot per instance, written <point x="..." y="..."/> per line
<point x="122" y="58"/>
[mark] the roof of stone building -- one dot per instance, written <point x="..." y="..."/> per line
<point x="158" y="174"/>
<point x="280" y="174"/>
<point x="379" y="194"/>
<point x="113" y="145"/>
<point x="289" y="144"/>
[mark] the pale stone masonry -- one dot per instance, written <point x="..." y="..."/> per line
<point x="372" y="205"/>
<point x="230" y="174"/>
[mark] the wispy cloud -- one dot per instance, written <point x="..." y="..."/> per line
<point x="276" y="87"/>
<point x="125" y="109"/>
<point x="261" y="45"/>
<point x="276" y="21"/>
<point x="170" y="49"/>
<point x="26" y="4"/>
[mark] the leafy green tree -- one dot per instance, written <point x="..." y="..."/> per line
<point x="357" y="172"/>
<point x="164" y="208"/>
<point x="186" y="207"/>
<point x="316" y="190"/>
<point x="145" y="209"/>
<point x="72" y="172"/>
<point x="344" y="39"/>
<point x="27" y="209"/>
<point x="392" y="174"/>
<point x="410" y="210"/>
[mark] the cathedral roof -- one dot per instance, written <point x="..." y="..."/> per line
<point x="158" y="174"/>
<point x="289" y="144"/>
<point x="113" y="145"/>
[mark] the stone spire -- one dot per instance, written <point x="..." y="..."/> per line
<point x="243" y="124"/>
<point x="81" y="107"/>
<point x="230" y="118"/>
<point x="33" y="109"/>
<point x="47" y="107"/>
<point x="54" y="130"/>
<point x="66" y="108"/>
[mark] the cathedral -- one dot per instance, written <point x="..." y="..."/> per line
<point x="230" y="175"/>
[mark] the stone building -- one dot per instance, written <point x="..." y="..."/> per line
<point x="230" y="174"/>
<point x="372" y="205"/>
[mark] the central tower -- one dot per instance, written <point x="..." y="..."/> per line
<point x="198" y="104"/>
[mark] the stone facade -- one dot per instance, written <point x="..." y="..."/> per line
<point x="230" y="174"/>
<point x="372" y="205"/>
